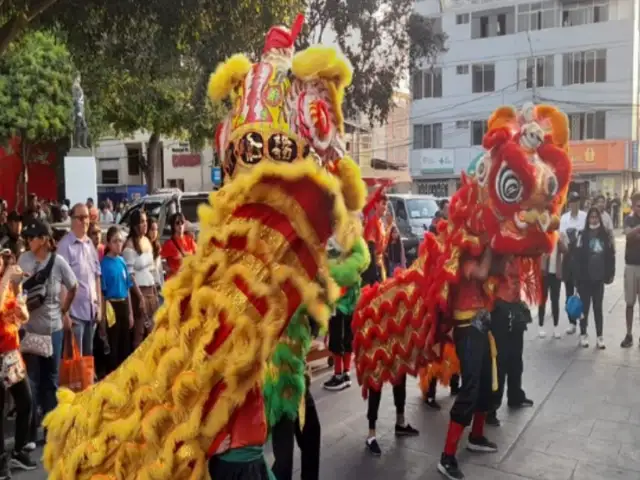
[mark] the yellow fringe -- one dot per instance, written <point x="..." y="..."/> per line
<point x="128" y="426"/>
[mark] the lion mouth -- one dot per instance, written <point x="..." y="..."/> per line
<point x="540" y="220"/>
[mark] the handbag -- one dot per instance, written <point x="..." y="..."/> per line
<point x="76" y="372"/>
<point x="13" y="369"/>
<point x="36" y="286"/>
<point x="36" y="344"/>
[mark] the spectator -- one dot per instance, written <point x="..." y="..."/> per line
<point x="596" y="263"/>
<point x="615" y="209"/>
<point x="13" y="238"/>
<point x="626" y="206"/>
<point x="116" y="285"/>
<point x="95" y="234"/>
<point x="178" y="246"/>
<point x="153" y="234"/>
<point x="551" y="267"/>
<point x="106" y="216"/>
<point x="632" y="266"/>
<point x="138" y="254"/>
<point x="46" y="317"/>
<point x="571" y="223"/>
<point x="13" y="313"/>
<point x="81" y="255"/>
<point x="90" y="204"/>
<point x="64" y="215"/>
<point x="4" y="215"/>
<point x="600" y="204"/>
<point x="395" y="251"/>
<point x="119" y="211"/>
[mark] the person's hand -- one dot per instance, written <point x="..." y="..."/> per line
<point x="130" y="321"/>
<point x="67" y="323"/>
<point x="99" y="316"/>
<point x="142" y="306"/>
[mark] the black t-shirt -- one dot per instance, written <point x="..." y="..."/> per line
<point x="632" y="249"/>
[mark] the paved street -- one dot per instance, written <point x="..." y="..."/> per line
<point x="585" y="424"/>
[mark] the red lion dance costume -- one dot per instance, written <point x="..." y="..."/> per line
<point x="509" y="205"/>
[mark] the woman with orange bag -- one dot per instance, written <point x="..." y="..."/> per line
<point x="13" y="374"/>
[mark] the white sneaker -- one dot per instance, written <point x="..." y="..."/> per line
<point x="584" y="341"/>
<point x="30" y="446"/>
<point x="557" y="333"/>
<point x="600" y="343"/>
<point x="542" y="333"/>
<point x="571" y="330"/>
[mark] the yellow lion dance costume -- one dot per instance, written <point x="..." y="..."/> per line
<point x="182" y="395"/>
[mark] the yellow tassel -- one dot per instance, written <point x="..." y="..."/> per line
<point x="494" y="363"/>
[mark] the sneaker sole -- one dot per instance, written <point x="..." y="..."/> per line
<point x="13" y="463"/>
<point x="443" y="471"/>
<point x="481" y="449"/>
<point x="371" y="452"/>
<point x="407" y="434"/>
<point x="335" y="388"/>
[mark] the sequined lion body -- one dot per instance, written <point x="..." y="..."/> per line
<point x="509" y="202"/>
<point x="261" y="255"/>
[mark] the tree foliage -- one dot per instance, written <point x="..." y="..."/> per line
<point x="36" y="75"/>
<point x="382" y="39"/>
<point x="16" y="15"/>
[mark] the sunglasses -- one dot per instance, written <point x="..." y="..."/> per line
<point x="81" y="217"/>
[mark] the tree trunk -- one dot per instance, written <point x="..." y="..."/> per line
<point x="153" y="162"/>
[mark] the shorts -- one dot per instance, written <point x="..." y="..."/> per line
<point x="631" y="284"/>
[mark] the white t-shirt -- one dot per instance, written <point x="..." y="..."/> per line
<point x="568" y="221"/>
<point x="106" y="216"/>
<point x="141" y="266"/>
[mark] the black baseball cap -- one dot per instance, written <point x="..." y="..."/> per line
<point x="574" y="197"/>
<point x="14" y="217"/>
<point x="36" y="228"/>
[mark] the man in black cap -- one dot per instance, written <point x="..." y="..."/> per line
<point x="12" y="238"/>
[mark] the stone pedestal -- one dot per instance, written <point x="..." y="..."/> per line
<point x="80" y="176"/>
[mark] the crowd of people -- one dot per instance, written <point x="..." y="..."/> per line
<point x="99" y="291"/>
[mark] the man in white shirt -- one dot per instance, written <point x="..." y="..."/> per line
<point x="64" y="215"/>
<point x="571" y="223"/>
<point x="105" y="214"/>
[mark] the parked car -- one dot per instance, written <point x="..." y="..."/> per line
<point x="413" y="215"/>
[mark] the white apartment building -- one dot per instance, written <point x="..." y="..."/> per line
<point x="579" y="55"/>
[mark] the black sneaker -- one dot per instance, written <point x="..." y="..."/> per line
<point x="373" y="447"/>
<point x="524" y="403"/>
<point x="22" y="460"/>
<point x="481" y="445"/>
<point x="448" y="466"/>
<point x="346" y="379"/>
<point x="455" y="389"/>
<point x="5" y="472"/>
<point x="406" y="431"/>
<point x="335" y="383"/>
<point x="627" y="341"/>
<point x="492" y="419"/>
<point x="431" y="403"/>
<point x="12" y="414"/>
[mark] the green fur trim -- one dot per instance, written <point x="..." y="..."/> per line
<point x="346" y="272"/>
<point x="284" y="385"/>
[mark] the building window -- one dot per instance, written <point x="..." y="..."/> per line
<point x="584" y="67"/>
<point x="478" y="129"/>
<point x="417" y="85"/>
<point x="427" y="136"/>
<point x="176" y="183"/>
<point x="484" y="78"/>
<point x="462" y="19"/>
<point x="493" y="23"/>
<point x="427" y="83"/>
<point x="588" y="126"/>
<point x="536" y="16"/>
<point x="365" y="142"/>
<point x="134" y="155"/>
<point x="536" y="72"/>
<point x="462" y="69"/>
<point x="585" y="12"/>
<point x="110" y="177"/>
<point x="462" y="124"/>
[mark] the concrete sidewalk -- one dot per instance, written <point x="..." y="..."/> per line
<point x="585" y="424"/>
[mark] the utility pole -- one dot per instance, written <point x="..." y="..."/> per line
<point x="534" y="95"/>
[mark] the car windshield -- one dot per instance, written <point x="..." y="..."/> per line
<point x="151" y="208"/>
<point x="421" y="208"/>
<point x="189" y="207"/>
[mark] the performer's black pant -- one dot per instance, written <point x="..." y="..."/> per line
<point x="399" y="400"/>
<point x="455" y="383"/>
<point x="551" y="291"/>
<point x="474" y="353"/>
<point x="340" y="333"/>
<point x="508" y="333"/>
<point x="308" y="439"/>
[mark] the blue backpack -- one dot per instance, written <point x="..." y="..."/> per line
<point x="574" y="307"/>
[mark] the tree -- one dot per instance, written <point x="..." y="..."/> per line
<point x="16" y="15"/>
<point x="383" y="40"/>
<point x="36" y="76"/>
<point x="149" y="62"/>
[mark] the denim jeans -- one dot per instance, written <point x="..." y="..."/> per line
<point x="44" y="374"/>
<point x="83" y="332"/>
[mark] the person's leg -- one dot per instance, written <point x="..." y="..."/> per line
<point x="78" y="332"/>
<point x="554" y="297"/>
<point x="598" y="314"/>
<point x="630" y="296"/>
<point x="373" y="405"/>
<point x="309" y="441"/>
<point x="21" y="393"/>
<point x="455" y="384"/>
<point x="5" y="472"/>
<point x="336" y="382"/>
<point x="516" y="396"/>
<point x="543" y="302"/>
<point x="477" y="440"/>
<point x="500" y="322"/>
<point x="50" y="373"/>
<point x="87" y="339"/>
<point x="403" y="429"/>
<point x="430" y="397"/>
<point x="282" y="444"/>
<point x="347" y="345"/>
<point x="585" y="296"/>
<point x="33" y="372"/>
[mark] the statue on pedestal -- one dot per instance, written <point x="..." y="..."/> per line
<point x="80" y="129"/>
